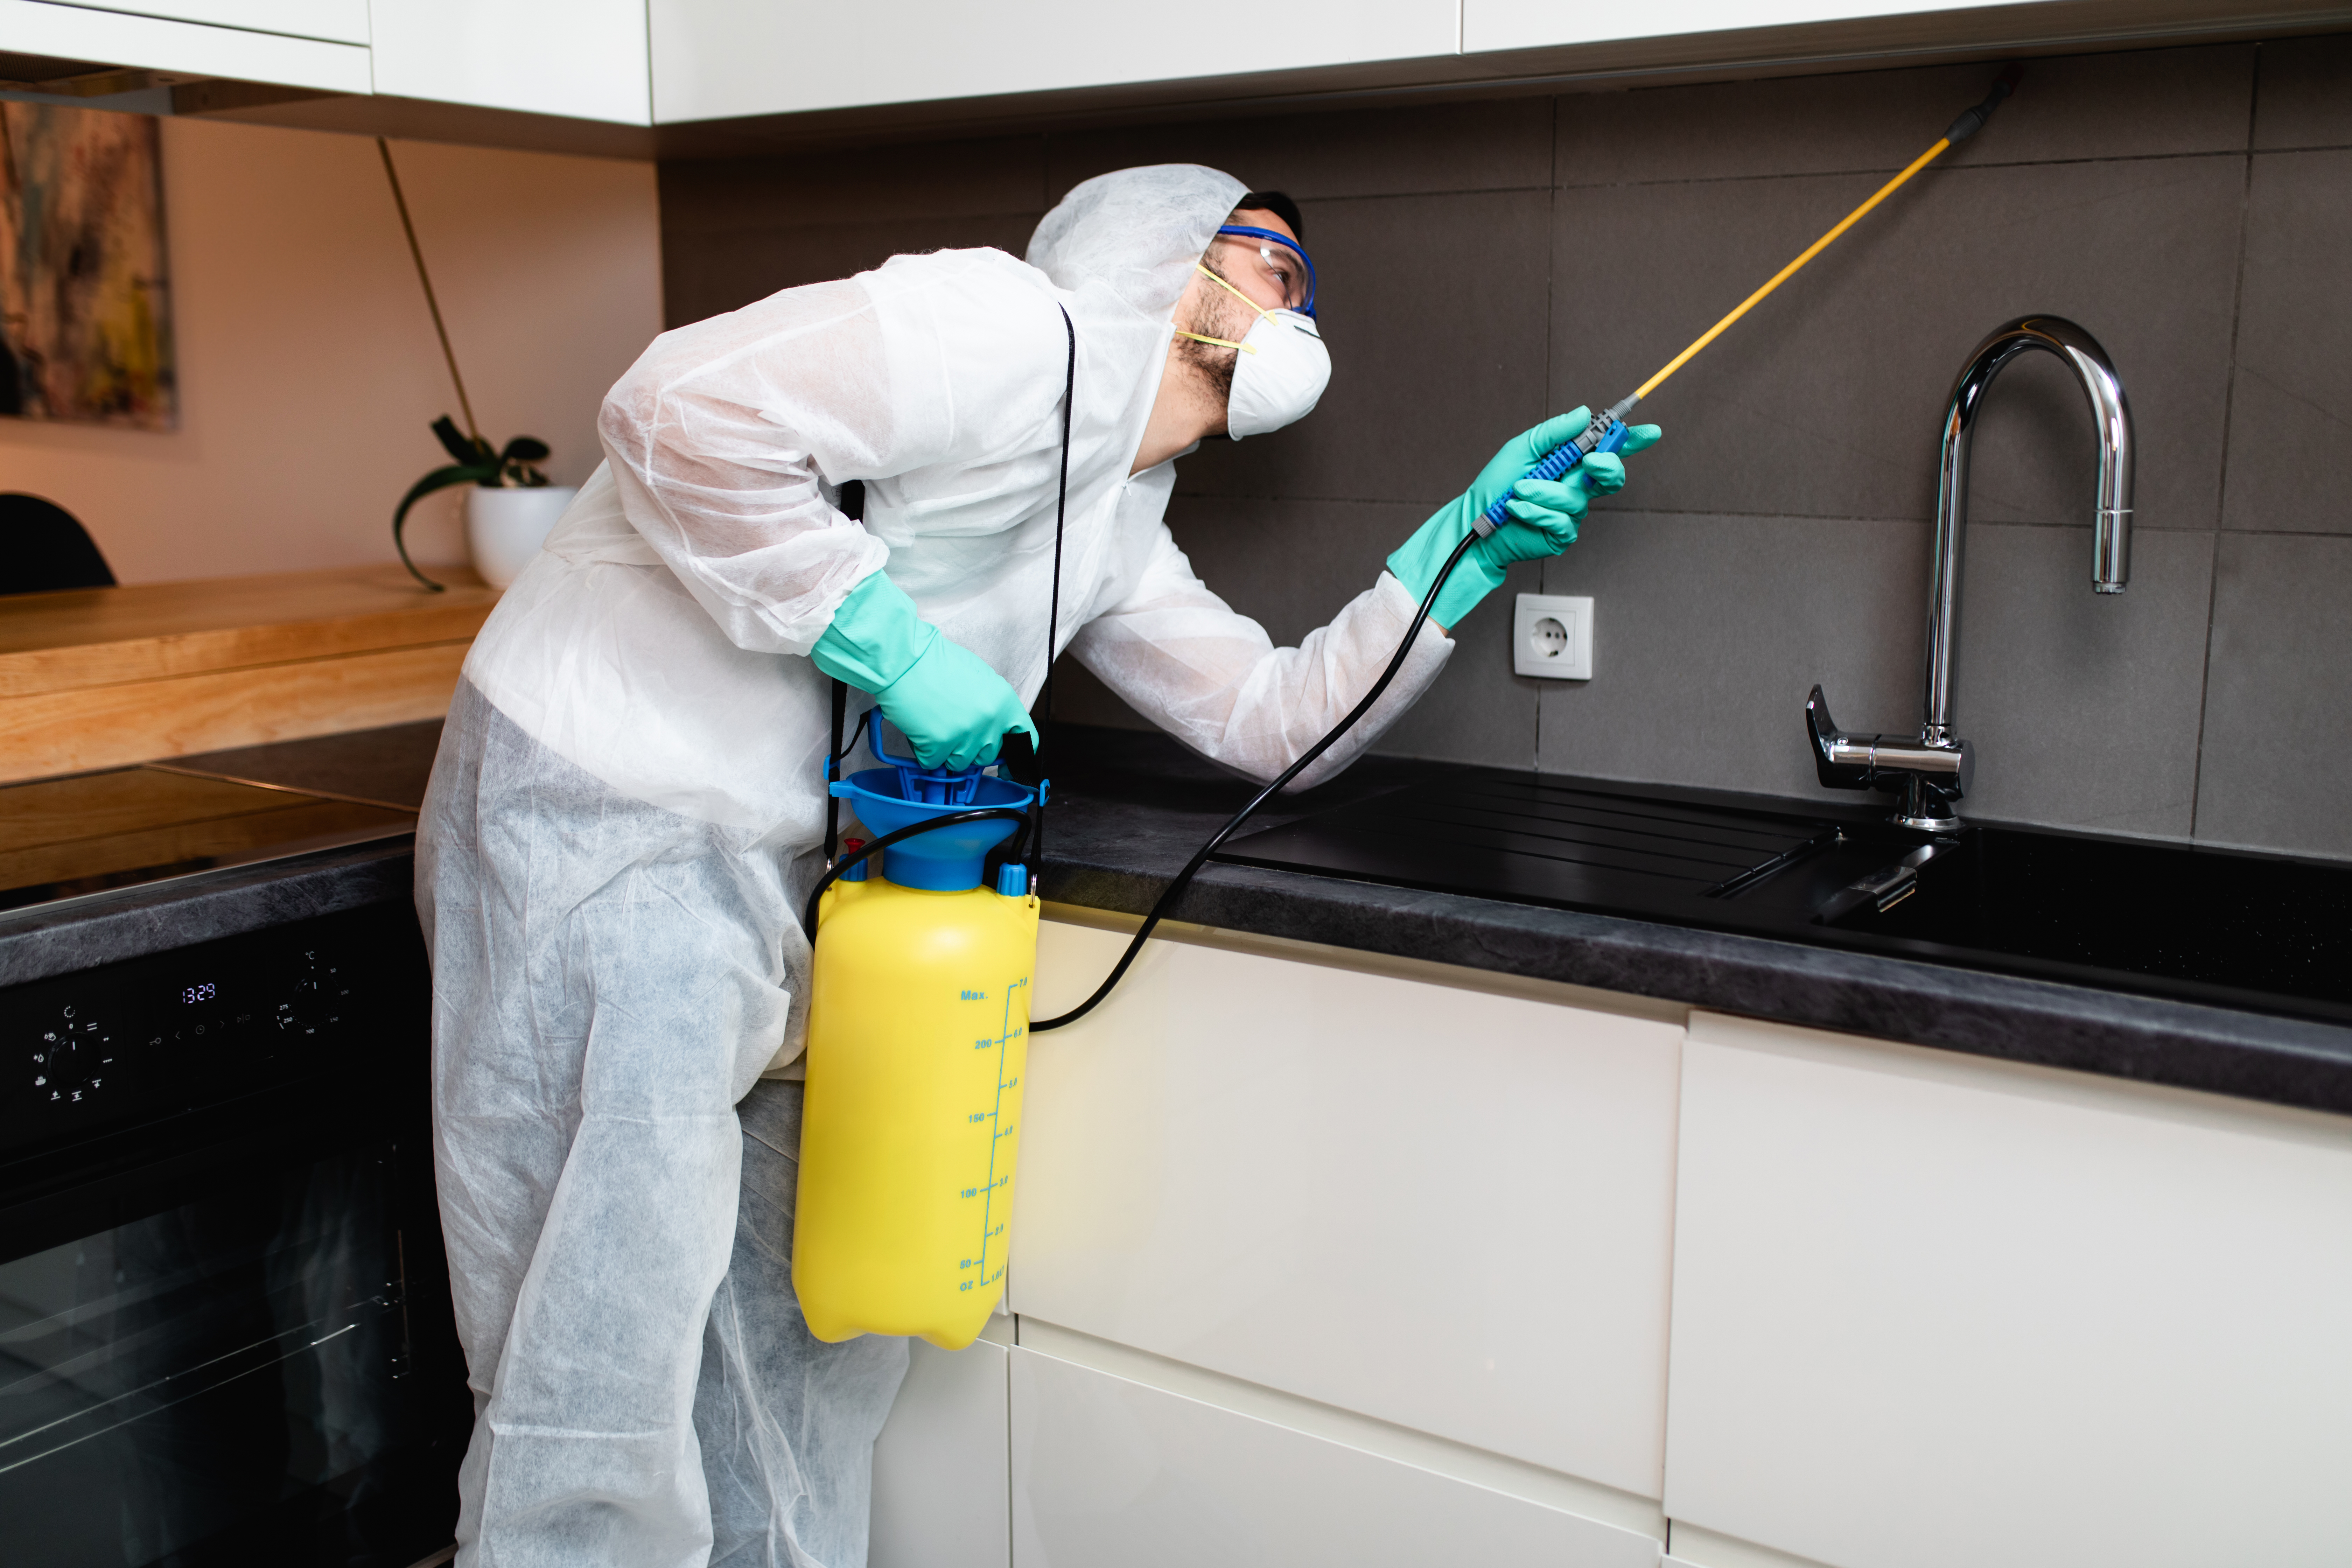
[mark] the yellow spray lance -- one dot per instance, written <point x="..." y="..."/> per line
<point x="919" y="997"/>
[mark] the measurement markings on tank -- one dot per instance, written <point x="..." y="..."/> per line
<point x="1005" y="1038"/>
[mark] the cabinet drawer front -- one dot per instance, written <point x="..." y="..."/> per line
<point x="1109" y="1472"/>
<point x="941" y="1464"/>
<point x="1445" y="1207"/>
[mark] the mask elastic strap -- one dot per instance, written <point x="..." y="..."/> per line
<point x="1220" y="342"/>
<point x="1228" y="287"/>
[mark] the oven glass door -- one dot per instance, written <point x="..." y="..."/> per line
<point x="235" y="1377"/>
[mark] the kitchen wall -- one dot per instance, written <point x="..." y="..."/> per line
<point x="1485" y="263"/>
<point x="308" y="371"/>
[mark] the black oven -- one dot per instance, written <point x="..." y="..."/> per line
<point x="224" y="1324"/>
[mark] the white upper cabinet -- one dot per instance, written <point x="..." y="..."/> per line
<point x="715" y="59"/>
<point x="1543" y="24"/>
<point x="583" y="58"/>
<point x="1931" y="1312"/>
<point x="335" y="21"/>
<point x="226" y="38"/>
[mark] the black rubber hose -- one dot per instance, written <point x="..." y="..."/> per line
<point x="1184" y="878"/>
<point x="833" y="872"/>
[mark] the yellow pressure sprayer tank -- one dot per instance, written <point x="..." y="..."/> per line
<point x="919" y="1030"/>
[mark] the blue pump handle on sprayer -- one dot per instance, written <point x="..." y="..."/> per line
<point x="939" y="825"/>
<point x="932" y="786"/>
<point x="1612" y="433"/>
<point x="928" y="786"/>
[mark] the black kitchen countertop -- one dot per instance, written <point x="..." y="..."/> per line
<point x="1129" y="809"/>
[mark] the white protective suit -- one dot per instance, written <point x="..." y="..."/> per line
<point x="628" y="807"/>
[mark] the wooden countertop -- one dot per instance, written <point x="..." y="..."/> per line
<point x="101" y="637"/>
<point x="98" y="678"/>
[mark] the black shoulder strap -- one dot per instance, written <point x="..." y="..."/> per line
<point x="1020" y="762"/>
<point x="853" y="507"/>
<point x="1035" y="849"/>
<point x="1061" y="512"/>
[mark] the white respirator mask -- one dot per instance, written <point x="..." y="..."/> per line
<point x="1281" y="369"/>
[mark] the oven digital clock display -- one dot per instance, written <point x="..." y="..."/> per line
<point x="206" y="991"/>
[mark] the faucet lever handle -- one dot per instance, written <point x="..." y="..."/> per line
<point x="1841" y="761"/>
<point x="1931" y="773"/>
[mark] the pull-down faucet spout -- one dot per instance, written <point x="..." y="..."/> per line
<point x="1933" y="771"/>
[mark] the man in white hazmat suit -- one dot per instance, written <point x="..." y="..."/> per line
<point x="628" y="805"/>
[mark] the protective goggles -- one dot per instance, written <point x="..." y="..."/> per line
<point x="1266" y="237"/>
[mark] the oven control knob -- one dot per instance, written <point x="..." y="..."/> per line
<point x="71" y="1060"/>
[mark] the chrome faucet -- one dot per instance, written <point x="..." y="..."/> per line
<point x="1935" y="770"/>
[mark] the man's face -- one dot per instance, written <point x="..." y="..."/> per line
<point x="1271" y="276"/>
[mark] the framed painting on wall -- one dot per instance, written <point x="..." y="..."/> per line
<point x="85" y="296"/>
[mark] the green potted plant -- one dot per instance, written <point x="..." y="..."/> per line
<point x="509" y="511"/>
<point x="511" y="507"/>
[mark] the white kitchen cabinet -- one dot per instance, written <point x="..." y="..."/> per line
<point x="1111" y="1471"/>
<point x="714" y="59"/>
<point x="1932" y="1311"/>
<point x="337" y="21"/>
<point x="189" y="47"/>
<point x="585" y="58"/>
<point x="1489" y="24"/>
<point x="942" y="1463"/>
<point x="1442" y="1206"/>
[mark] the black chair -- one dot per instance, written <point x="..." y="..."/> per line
<point x="42" y="549"/>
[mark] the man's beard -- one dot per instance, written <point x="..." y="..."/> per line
<point x="1219" y="315"/>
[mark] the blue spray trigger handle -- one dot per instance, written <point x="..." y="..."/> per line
<point x="1605" y="434"/>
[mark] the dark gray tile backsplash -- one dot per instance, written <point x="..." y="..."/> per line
<point x="2275" y="769"/>
<point x="2301" y="99"/>
<point x="1708" y="630"/>
<point x="876" y="185"/>
<point x="2291" y="407"/>
<point x="2161" y="103"/>
<point x="1485" y="263"/>
<point x="703" y="275"/>
<point x="1498" y="146"/>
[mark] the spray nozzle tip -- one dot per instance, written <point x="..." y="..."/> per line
<point x="1973" y="119"/>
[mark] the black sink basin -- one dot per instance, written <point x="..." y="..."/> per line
<point x="2266" y="932"/>
<point x="2256" y="923"/>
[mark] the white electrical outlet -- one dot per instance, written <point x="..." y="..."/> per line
<point x="1551" y="638"/>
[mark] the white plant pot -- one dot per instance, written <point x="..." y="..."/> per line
<point x="505" y="528"/>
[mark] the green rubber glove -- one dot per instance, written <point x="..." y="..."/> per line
<point x="952" y="707"/>
<point x="1541" y="515"/>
